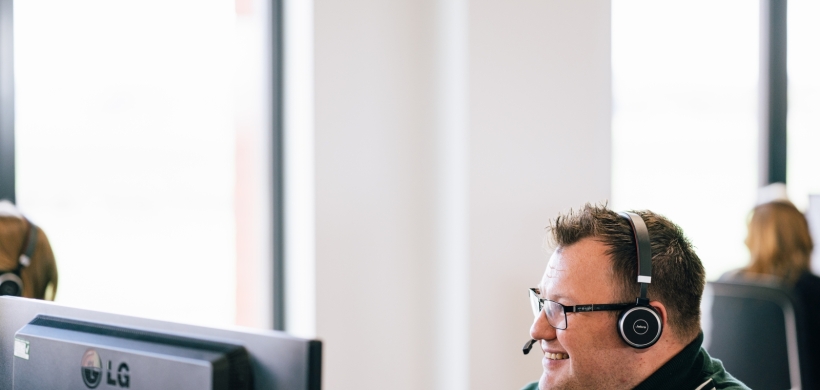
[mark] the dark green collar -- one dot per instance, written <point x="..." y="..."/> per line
<point x="682" y="371"/>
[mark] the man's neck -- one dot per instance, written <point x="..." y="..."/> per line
<point x="652" y="359"/>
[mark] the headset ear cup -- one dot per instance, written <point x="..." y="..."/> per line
<point x="640" y="326"/>
<point x="10" y="284"/>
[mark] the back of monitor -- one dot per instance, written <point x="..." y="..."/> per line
<point x="278" y="361"/>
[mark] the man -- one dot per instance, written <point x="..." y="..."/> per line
<point x="596" y="262"/>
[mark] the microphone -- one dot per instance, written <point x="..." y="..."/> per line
<point x="528" y="346"/>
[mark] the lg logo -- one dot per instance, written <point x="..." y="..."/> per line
<point x="91" y="369"/>
<point x="92" y="372"/>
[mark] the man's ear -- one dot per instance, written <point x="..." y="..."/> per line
<point x="661" y="310"/>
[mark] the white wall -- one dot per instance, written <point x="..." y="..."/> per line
<point x="373" y="192"/>
<point x="445" y="134"/>
<point x="539" y="144"/>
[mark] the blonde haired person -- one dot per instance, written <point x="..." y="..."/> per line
<point x="25" y="256"/>
<point x="780" y="246"/>
<point x="779" y="242"/>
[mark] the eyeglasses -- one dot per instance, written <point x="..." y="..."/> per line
<point x="557" y="313"/>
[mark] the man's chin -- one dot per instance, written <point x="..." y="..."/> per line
<point x="553" y="380"/>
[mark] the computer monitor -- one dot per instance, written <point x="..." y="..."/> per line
<point x="47" y="345"/>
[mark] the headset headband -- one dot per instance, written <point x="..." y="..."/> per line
<point x="28" y="247"/>
<point x="644" y="249"/>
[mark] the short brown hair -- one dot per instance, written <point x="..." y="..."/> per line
<point x="779" y="241"/>
<point x="678" y="277"/>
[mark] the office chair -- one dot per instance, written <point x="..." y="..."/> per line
<point x="757" y="330"/>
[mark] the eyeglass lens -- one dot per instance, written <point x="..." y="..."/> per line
<point x="554" y="312"/>
<point x="535" y="302"/>
<point x="556" y="315"/>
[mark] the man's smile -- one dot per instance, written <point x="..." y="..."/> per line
<point x="556" y="356"/>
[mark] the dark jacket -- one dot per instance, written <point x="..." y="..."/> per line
<point x="691" y="369"/>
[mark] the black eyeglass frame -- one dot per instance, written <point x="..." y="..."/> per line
<point x="535" y="293"/>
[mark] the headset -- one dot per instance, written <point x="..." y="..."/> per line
<point x="639" y="325"/>
<point x="11" y="282"/>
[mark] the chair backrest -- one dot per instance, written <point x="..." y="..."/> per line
<point x="756" y="330"/>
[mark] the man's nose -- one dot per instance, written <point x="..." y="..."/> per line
<point x="541" y="328"/>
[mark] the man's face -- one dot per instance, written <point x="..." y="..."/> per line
<point x="598" y="359"/>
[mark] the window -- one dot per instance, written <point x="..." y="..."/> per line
<point x="141" y="151"/>
<point x="684" y="129"/>
<point x="804" y="98"/>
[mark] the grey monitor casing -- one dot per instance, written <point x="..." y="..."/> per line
<point x="278" y="361"/>
<point x="60" y="354"/>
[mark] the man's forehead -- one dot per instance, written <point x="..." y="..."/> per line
<point x="583" y="264"/>
<point x="555" y="268"/>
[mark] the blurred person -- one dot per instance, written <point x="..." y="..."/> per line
<point x="780" y="247"/>
<point x="27" y="265"/>
<point x="585" y="306"/>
